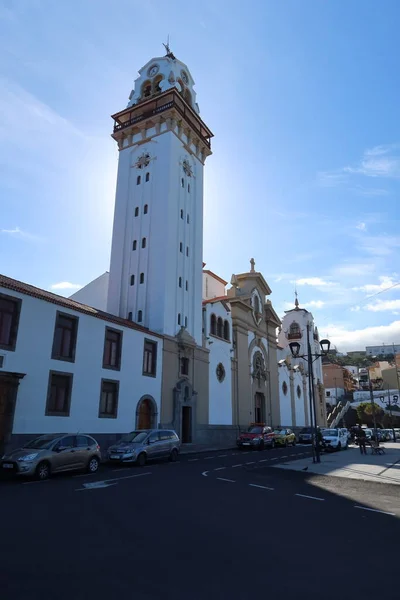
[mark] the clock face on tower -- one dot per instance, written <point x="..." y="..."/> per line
<point x="153" y="70"/>
<point x="185" y="78"/>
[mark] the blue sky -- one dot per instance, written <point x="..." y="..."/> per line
<point x="302" y="97"/>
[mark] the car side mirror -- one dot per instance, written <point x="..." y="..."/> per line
<point x="59" y="448"/>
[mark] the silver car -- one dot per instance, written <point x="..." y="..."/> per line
<point x="53" y="453"/>
<point x="145" y="444"/>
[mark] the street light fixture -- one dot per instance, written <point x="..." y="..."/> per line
<point x="310" y="358"/>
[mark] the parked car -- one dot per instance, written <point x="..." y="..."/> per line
<point x="258" y="436"/>
<point x="145" y="444"/>
<point x="335" y="439"/>
<point x="53" y="453"/>
<point x="305" y="435"/>
<point x="284" y="437"/>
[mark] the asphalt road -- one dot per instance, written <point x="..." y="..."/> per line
<point x="218" y="525"/>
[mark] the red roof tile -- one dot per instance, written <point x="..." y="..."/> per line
<point x="30" y="290"/>
<point x="217" y="299"/>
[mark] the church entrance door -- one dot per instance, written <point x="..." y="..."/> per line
<point x="186" y="424"/>
<point x="144" y="417"/>
<point x="259" y="408"/>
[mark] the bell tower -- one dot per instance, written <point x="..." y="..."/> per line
<point x="157" y="244"/>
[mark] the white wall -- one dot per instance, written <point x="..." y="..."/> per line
<point x="299" y="402"/>
<point x="33" y="357"/>
<point x="284" y="400"/>
<point x="212" y="288"/>
<point x="220" y="393"/>
<point x="335" y="394"/>
<point x="94" y="293"/>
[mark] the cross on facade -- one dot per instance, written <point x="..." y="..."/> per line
<point x="252" y="265"/>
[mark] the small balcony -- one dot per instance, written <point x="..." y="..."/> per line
<point x="294" y="335"/>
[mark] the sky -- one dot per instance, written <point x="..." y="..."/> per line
<point x="303" y="100"/>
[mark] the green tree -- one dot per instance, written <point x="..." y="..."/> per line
<point x="361" y="412"/>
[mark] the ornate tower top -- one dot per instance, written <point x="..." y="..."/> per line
<point x="161" y="74"/>
<point x="296" y="302"/>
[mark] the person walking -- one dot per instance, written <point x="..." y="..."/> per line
<point x="362" y="438"/>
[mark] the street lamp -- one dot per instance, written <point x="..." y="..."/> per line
<point x="310" y="358"/>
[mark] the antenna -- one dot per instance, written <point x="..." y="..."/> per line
<point x="168" y="49"/>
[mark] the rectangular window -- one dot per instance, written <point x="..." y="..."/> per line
<point x="10" y="309"/>
<point x="65" y="335"/>
<point x="184" y="366"/>
<point x="59" y="394"/>
<point x="180" y="246"/>
<point x="112" y="349"/>
<point x="109" y="399"/>
<point x="187" y="250"/>
<point x="150" y="358"/>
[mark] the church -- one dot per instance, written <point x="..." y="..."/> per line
<point x="158" y="340"/>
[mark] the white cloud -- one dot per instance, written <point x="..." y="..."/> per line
<point x="383" y="305"/>
<point x="315" y="303"/>
<point x="385" y="283"/>
<point x="313" y="281"/>
<point x="361" y="226"/>
<point x="19" y="233"/>
<point x="65" y="285"/>
<point x="358" y="339"/>
<point x="355" y="308"/>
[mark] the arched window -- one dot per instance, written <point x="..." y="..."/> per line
<point x="137" y="211"/>
<point x="132" y="280"/>
<point x="146" y="89"/>
<point x="187" y="219"/>
<point x="186" y="285"/>
<point x="179" y="318"/>
<point x="213" y="325"/>
<point x="180" y="246"/>
<point x="141" y="278"/>
<point x="294" y="331"/>
<point x="182" y="182"/>
<point x="226" y="330"/>
<point x="220" y="327"/>
<point x="256" y="305"/>
<point x="147" y="176"/>
<point x="129" y="316"/>
<point x="140" y="316"/>
<point x="185" y="321"/>
<point x="284" y="388"/>
<point x="156" y="84"/>
<point x="144" y="243"/>
<point x="180" y="281"/>
<point x="187" y="250"/>
<point x="134" y="245"/>
<point x="189" y="188"/>
<point x="138" y="180"/>
<point x="145" y="209"/>
<point x="181" y="213"/>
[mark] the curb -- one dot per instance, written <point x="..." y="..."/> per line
<point x="202" y="450"/>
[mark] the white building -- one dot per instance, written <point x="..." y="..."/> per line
<point x="65" y="366"/>
<point x="383" y="350"/>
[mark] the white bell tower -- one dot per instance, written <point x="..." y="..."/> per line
<point x="157" y="244"/>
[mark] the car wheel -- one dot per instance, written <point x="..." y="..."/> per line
<point x="93" y="465"/>
<point x="174" y="455"/>
<point x="42" y="471"/>
<point x="141" y="459"/>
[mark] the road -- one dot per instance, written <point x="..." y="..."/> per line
<point x="218" y="525"/>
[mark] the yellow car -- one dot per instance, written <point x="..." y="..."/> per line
<point x="284" y="437"/>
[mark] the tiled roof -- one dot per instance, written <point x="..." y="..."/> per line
<point x="217" y="299"/>
<point x="30" y="290"/>
<point x="215" y="276"/>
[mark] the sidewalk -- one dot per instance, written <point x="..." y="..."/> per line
<point x="196" y="448"/>
<point x="350" y="463"/>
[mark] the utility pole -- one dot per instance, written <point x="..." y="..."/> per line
<point x="391" y="416"/>
<point x="371" y="393"/>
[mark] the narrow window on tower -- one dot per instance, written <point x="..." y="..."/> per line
<point x="129" y="316"/>
<point x="138" y="180"/>
<point x="179" y="318"/>
<point x="182" y="182"/>
<point x="132" y="280"/>
<point x="181" y="213"/>
<point x="141" y="278"/>
<point x="187" y="219"/>
<point x="137" y="211"/>
<point x="185" y="321"/>
<point x="134" y="245"/>
<point x="180" y="281"/>
<point x="189" y="188"/>
<point x="186" y="286"/>
<point x="180" y="247"/>
<point x="145" y="209"/>
<point x="147" y="176"/>
<point x="139" y="316"/>
<point x="144" y="243"/>
<point x="187" y="250"/>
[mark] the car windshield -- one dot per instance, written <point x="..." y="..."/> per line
<point x="42" y="442"/>
<point x="280" y="431"/>
<point x="135" y="436"/>
<point x="255" y="430"/>
<point x="333" y="432"/>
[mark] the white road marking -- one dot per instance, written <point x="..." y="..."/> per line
<point x="222" y="479"/>
<point x="222" y="455"/>
<point x="375" y="510"/>
<point x="204" y="473"/>
<point x="264" y="460"/>
<point x="220" y="469"/>
<point x="208" y="457"/>
<point x="30" y="482"/>
<point x="84" y="475"/>
<point x="311" y="497"/>
<point x="240" y="465"/>
<point x="115" y="470"/>
<point x="250" y="463"/>
<point x="192" y="459"/>
<point x="276" y="458"/>
<point x="104" y="483"/>
<point x="286" y="456"/>
<point x="263" y="487"/>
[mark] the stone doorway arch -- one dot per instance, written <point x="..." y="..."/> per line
<point x="146" y="413"/>
<point x="185" y="402"/>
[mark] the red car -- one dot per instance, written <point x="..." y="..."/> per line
<point x="258" y="436"/>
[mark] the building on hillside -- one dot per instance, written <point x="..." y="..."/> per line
<point x="293" y="374"/>
<point x="338" y="381"/>
<point x="357" y="354"/>
<point x="391" y="378"/>
<point x="375" y="374"/>
<point x="382" y="350"/>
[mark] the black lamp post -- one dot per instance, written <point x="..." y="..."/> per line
<point x="310" y="358"/>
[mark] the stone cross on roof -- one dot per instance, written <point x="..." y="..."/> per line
<point x="252" y="265"/>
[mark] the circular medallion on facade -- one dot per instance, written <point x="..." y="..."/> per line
<point x="284" y="387"/>
<point x="153" y="70"/>
<point x="185" y="78"/>
<point x="298" y="391"/>
<point x="220" y="371"/>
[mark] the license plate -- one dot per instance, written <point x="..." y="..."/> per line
<point x="117" y="456"/>
<point x="8" y="466"/>
<point x="246" y="443"/>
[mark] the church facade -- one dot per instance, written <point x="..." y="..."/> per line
<point x="158" y="340"/>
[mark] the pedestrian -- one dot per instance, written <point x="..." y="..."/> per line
<point x="362" y="438"/>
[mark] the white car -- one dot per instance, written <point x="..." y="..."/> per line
<point x="335" y="439"/>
